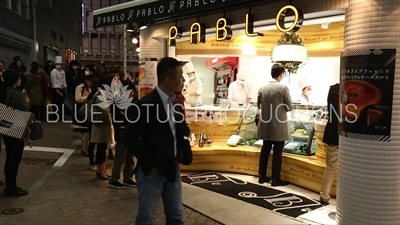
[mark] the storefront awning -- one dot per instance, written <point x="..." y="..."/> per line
<point x="157" y="11"/>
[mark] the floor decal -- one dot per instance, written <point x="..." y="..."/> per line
<point x="288" y="204"/>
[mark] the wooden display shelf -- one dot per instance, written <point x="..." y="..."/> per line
<point x="303" y="171"/>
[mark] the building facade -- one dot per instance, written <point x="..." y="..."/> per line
<point x="58" y="28"/>
<point x="16" y="30"/>
<point x="105" y="44"/>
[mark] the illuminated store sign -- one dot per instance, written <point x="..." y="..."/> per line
<point x="223" y="27"/>
<point x="162" y="10"/>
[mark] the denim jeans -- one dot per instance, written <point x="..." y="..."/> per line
<point x="153" y="186"/>
<point x="122" y="156"/>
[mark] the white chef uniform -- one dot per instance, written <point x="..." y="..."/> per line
<point x="57" y="77"/>
<point x="239" y="91"/>
<point x="195" y="86"/>
<point x="304" y="99"/>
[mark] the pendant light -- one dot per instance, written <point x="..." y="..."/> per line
<point x="130" y="27"/>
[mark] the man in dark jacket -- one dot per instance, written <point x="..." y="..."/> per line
<point x="331" y="138"/>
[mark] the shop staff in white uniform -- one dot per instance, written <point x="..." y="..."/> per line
<point x="194" y="88"/>
<point x="239" y="90"/>
<point x="305" y="87"/>
<point x="58" y="85"/>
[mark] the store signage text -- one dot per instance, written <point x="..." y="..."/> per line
<point x="223" y="27"/>
<point x="161" y="10"/>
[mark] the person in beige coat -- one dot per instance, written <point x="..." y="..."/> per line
<point x="102" y="131"/>
<point x="274" y="101"/>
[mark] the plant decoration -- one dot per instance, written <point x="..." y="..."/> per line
<point x="289" y="38"/>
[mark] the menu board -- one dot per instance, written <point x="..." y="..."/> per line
<point x="147" y="77"/>
<point x="366" y="93"/>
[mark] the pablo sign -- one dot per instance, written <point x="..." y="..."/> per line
<point x="223" y="27"/>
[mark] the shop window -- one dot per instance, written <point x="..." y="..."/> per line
<point x="15" y="5"/>
<point x="89" y="21"/>
<point x="25" y="8"/>
<point x="61" y="39"/>
<point x="4" y="2"/>
<point x="94" y="4"/>
<point x="54" y="34"/>
<point x="104" y="3"/>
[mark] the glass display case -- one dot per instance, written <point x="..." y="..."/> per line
<point x="301" y="126"/>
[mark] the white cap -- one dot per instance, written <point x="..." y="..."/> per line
<point x="189" y="67"/>
<point x="58" y="60"/>
<point x="304" y="82"/>
<point x="242" y="74"/>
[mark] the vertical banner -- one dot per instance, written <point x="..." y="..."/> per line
<point x="147" y="77"/>
<point x="366" y="93"/>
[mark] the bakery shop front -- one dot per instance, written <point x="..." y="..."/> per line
<point x="222" y="40"/>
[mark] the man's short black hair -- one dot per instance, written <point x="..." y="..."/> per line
<point x="167" y="68"/>
<point x="276" y="70"/>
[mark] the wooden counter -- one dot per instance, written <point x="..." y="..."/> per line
<point x="303" y="171"/>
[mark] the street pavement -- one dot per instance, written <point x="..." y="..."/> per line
<point x="69" y="193"/>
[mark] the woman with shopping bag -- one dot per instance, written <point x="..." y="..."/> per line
<point x="11" y="96"/>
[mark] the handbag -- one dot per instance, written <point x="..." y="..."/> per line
<point x="184" y="154"/>
<point x="36" y="131"/>
<point x="13" y="122"/>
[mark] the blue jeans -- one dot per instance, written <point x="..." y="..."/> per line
<point x="153" y="186"/>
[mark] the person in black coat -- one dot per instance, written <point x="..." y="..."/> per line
<point x="122" y="156"/>
<point x="331" y="138"/>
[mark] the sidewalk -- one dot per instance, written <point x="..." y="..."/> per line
<point x="71" y="194"/>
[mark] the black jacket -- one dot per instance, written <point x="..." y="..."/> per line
<point x="331" y="135"/>
<point x="152" y="141"/>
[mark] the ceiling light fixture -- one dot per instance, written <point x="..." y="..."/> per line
<point x="325" y="25"/>
<point x="138" y="49"/>
<point x="135" y="40"/>
<point x="130" y="27"/>
<point x="142" y="25"/>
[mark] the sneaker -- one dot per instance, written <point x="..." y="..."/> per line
<point x="116" y="184"/>
<point x="130" y="183"/>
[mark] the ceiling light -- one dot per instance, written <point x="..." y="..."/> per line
<point x="135" y="40"/>
<point x="325" y="25"/>
<point x="138" y="49"/>
<point x="142" y="25"/>
<point x="130" y="27"/>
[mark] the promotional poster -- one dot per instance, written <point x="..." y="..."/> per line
<point x="147" y="77"/>
<point x="366" y="93"/>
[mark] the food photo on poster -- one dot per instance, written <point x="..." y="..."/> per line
<point x="366" y="93"/>
<point x="147" y="77"/>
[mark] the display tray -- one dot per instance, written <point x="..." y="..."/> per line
<point x="303" y="171"/>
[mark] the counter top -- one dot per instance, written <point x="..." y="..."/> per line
<point x="213" y="108"/>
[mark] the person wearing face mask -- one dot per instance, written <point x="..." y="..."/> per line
<point x="239" y="90"/>
<point x="59" y="86"/>
<point x="73" y="76"/>
<point x="195" y="87"/>
<point x="305" y="87"/>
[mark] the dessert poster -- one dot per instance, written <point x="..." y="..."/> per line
<point x="147" y="76"/>
<point x="366" y="93"/>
